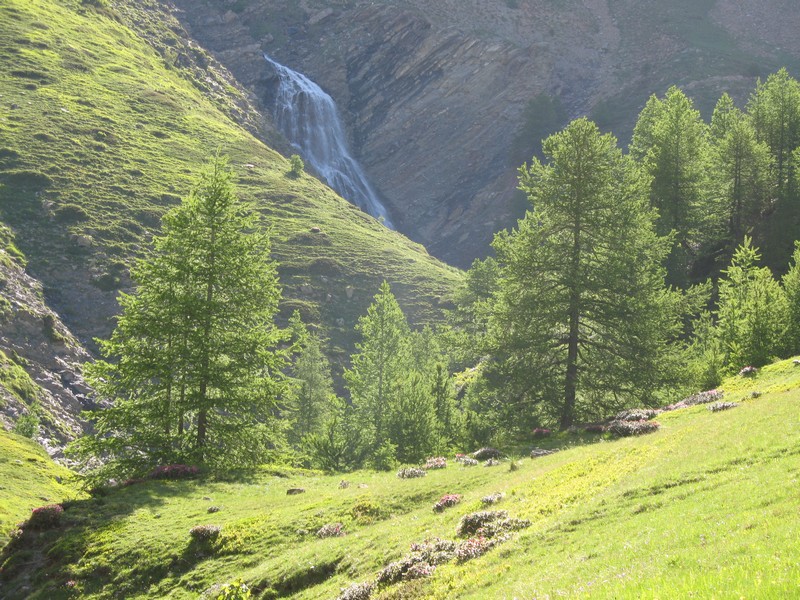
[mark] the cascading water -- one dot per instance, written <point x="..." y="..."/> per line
<point x="307" y="116"/>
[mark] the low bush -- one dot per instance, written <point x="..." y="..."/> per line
<point x="174" y="472"/>
<point x="539" y="452"/>
<point x="486" y="454"/>
<point x="636" y="414"/>
<point x="473" y="548"/>
<point x="541" y="432"/>
<point x="492" y="462"/>
<point x="357" y="591"/>
<point x="411" y="473"/>
<point x="466" y="461"/>
<point x="435" y="462"/>
<point x="435" y="551"/>
<point x="46" y="517"/>
<point x="235" y="590"/>
<point x="446" y="501"/>
<point x="471" y="523"/>
<point x="748" y="371"/>
<point x="595" y="428"/>
<point x="629" y="428"/>
<point x="205" y="533"/>
<point x="492" y="498"/>
<point x="718" y="406"/>
<point x="331" y="530"/>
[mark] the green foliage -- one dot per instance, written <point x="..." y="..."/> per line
<point x="27" y="425"/>
<point x="582" y="321"/>
<point x="17" y="381"/>
<point x="791" y="287"/>
<point x="236" y="590"/>
<point x="669" y="140"/>
<point x="190" y="366"/>
<point x="752" y="313"/>
<point x="296" y="165"/>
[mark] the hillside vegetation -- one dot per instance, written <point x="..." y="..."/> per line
<point x="100" y="135"/>
<point x="705" y="507"/>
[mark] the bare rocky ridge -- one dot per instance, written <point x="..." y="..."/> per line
<point x="33" y="337"/>
<point x="434" y="93"/>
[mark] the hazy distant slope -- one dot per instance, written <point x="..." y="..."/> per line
<point x="100" y="134"/>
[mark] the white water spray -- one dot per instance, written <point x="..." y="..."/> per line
<point x="307" y="116"/>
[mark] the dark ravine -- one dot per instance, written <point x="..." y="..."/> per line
<point x="434" y="94"/>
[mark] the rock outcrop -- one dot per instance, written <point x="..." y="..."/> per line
<point x="435" y="93"/>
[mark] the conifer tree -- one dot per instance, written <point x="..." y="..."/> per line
<point x="312" y="386"/>
<point x="191" y="368"/>
<point x="669" y="140"/>
<point x="791" y="287"/>
<point x="582" y="318"/>
<point x="752" y="313"/>
<point x="378" y="367"/>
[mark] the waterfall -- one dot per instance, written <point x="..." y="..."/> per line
<point x="307" y="116"/>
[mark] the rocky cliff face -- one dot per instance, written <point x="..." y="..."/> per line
<point x="435" y="93"/>
<point x="40" y="361"/>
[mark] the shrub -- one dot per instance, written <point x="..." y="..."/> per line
<point x="467" y="461"/>
<point x="411" y="473"/>
<point x="434" y="551"/>
<point x="500" y="529"/>
<point x="446" y="501"/>
<point x="331" y="530"/>
<point x="235" y="590"/>
<point x="205" y="533"/>
<point x="296" y="165"/>
<point x="435" y="462"/>
<point x="595" y="428"/>
<point x="628" y="428"/>
<point x="46" y="517"/>
<point x="418" y="571"/>
<point x="472" y="548"/>
<point x="173" y="472"/>
<point x="718" y="406"/>
<point x="357" y="591"/>
<point x="492" y="462"/>
<point x="486" y="454"/>
<point x="636" y="414"/>
<point x="471" y="523"/>
<point x="539" y="452"/>
<point x="748" y="371"/>
<point x="344" y="484"/>
<point x="698" y="398"/>
<point x="213" y="509"/>
<point x="492" y="498"/>
<point x="366" y="511"/>
<point x="541" y="432"/>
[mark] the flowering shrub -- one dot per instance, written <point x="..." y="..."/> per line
<point x="541" y="432"/>
<point x="539" y="452"/>
<point x="331" y="530"/>
<point x="486" y="454"/>
<point x="748" y="371"/>
<point x="636" y="414"/>
<point x="357" y="591"/>
<point x="235" y="590"/>
<point x="435" y="462"/>
<point x="418" y="571"/>
<point x="435" y="551"/>
<point x="718" y="406"/>
<point x="595" y="428"/>
<point x="173" y="472"/>
<point x="471" y="523"/>
<point x="500" y="528"/>
<point x="492" y="462"/>
<point x="492" y="498"/>
<point x="467" y="461"/>
<point x="411" y="473"/>
<point x="46" y="517"/>
<point x="446" y="501"/>
<point x="472" y="548"/>
<point x="205" y="533"/>
<point x="699" y="398"/>
<point x="628" y="428"/>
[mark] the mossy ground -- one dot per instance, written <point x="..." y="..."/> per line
<point x="706" y="507"/>
<point x="100" y="135"/>
<point x="27" y="480"/>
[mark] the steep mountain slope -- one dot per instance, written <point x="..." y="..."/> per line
<point x="441" y="97"/>
<point x="103" y="128"/>
<point x="706" y="507"/>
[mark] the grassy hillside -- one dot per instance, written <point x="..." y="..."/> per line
<point x="706" y="507"/>
<point x="28" y="478"/>
<point x="100" y="135"/>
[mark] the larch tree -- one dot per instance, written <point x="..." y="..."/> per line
<point x="669" y="140"/>
<point x="582" y="319"/>
<point x="192" y="370"/>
